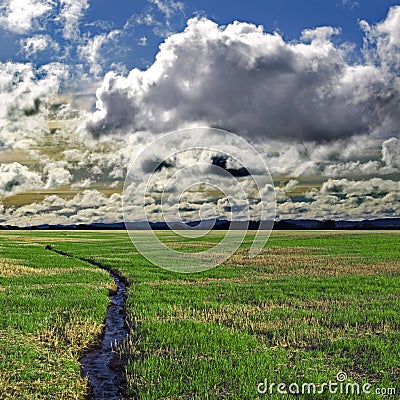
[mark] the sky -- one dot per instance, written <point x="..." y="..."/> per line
<point x="88" y="86"/>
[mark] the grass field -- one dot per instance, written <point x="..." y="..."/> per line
<point x="310" y="305"/>
<point x="51" y="309"/>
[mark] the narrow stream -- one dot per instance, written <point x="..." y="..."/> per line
<point x="103" y="366"/>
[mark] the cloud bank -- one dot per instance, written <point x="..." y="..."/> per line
<point x="326" y="125"/>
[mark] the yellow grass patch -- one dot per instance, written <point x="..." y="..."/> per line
<point x="41" y="239"/>
<point x="71" y="336"/>
<point x="276" y="266"/>
<point x="317" y="234"/>
<point x="90" y="286"/>
<point x="299" y="261"/>
<point x="11" y="268"/>
<point x="204" y="281"/>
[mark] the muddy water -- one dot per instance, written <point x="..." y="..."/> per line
<point x="103" y="366"/>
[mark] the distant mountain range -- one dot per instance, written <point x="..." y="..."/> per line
<point x="285" y="224"/>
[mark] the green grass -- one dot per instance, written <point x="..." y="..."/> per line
<point x="310" y="305"/>
<point x="51" y="309"/>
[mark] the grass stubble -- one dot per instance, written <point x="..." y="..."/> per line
<point x="309" y="305"/>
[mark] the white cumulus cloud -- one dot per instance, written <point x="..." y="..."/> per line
<point x="70" y="15"/>
<point x="57" y="175"/>
<point x="15" y="178"/>
<point x="240" y="78"/>
<point x="22" y="94"/>
<point x="382" y="40"/>
<point x="391" y="152"/>
<point x="38" y="43"/>
<point x="91" y="52"/>
<point x="20" y="16"/>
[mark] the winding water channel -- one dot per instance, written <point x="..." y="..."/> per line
<point x="103" y="365"/>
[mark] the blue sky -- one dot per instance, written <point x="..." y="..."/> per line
<point x="85" y="86"/>
<point x="289" y="17"/>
